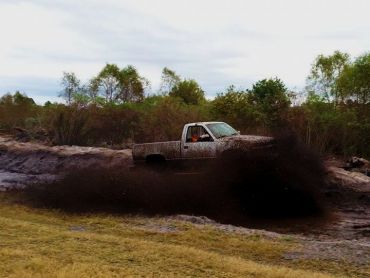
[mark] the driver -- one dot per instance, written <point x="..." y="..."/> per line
<point x="194" y="136"/>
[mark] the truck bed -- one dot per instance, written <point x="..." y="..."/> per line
<point x="170" y="150"/>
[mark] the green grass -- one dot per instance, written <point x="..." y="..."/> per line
<point x="42" y="243"/>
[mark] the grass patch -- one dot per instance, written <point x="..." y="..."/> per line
<point x="44" y="243"/>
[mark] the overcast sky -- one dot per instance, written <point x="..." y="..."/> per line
<point x="218" y="43"/>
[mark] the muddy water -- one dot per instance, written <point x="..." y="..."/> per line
<point x="347" y="215"/>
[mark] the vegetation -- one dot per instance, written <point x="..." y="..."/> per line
<point x="113" y="108"/>
<point x="71" y="86"/>
<point x="40" y="243"/>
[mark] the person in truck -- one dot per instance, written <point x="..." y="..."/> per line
<point x="194" y="136"/>
<point x="198" y="134"/>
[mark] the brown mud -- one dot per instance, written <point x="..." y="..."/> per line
<point x="291" y="192"/>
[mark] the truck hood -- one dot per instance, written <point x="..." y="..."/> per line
<point x="248" y="140"/>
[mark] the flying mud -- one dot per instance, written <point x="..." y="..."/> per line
<point x="236" y="187"/>
<point x="289" y="190"/>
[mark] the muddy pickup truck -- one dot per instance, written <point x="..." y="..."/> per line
<point x="199" y="141"/>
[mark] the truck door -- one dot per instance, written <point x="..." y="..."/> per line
<point x="198" y="143"/>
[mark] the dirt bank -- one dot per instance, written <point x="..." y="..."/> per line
<point x="25" y="163"/>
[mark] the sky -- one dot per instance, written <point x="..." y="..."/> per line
<point x="217" y="43"/>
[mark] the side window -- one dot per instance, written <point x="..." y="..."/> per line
<point x="197" y="134"/>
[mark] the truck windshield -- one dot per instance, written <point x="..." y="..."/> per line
<point x="220" y="130"/>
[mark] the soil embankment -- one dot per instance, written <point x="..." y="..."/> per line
<point x="27" y="163"/>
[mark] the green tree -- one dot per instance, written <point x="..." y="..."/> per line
<point x="189" y="91"/>
<point x="92" y="90"/>
<point x="354" y="81"/>
<point x="81" y="99"/>
<point x="22" y="99"/>
<point x="71" y="85"/>
<point x="169" y="79"/>
<point x="118" y="85"/>
<point x="109" y="80"/>
<point x="270" y="97"/>
<point x="16" y="110"/>
<point x="234" y="107"/>
<point x="325" y="72"/>
<point x="131" y="85"/>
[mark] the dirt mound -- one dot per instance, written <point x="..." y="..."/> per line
<point x="28" y="163"/>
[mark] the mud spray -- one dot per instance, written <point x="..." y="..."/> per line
<point x="236" y="188"/>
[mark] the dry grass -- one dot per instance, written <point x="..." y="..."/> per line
<point x="41" y="243"/>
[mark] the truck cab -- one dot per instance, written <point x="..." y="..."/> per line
<point x="201" y="140"/>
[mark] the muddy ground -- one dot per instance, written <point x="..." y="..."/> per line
<point x="27" y="163"/>
<point x="342" y="232"/>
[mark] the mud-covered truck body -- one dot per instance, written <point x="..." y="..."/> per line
<point x="199" y="141"/>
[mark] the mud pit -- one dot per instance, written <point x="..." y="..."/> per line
<point x="332" y="204"/>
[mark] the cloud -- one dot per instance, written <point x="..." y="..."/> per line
<point x="218" y="43"/>
<point x="40" y="89"/>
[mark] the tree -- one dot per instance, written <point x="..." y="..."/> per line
<point x="71" y="85"/>
<point x="270" y="97"/>
<point x="324" y="73"/>
<point x="233" y="106"/>
<point x="119" y="85"/>
<point x="16" y="110"/>
<point x="169" y="79"/>
<point x="81" y="99"/>
<point x="92" y="89"/>
<point x="108" y="78"/>
<point x="131" y="85"/>
<point x="22" y="99"/>
<point x="354" y="81"/>
<point x="189" y="91"/>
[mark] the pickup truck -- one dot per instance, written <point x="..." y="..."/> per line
<point x="199" y="141"/>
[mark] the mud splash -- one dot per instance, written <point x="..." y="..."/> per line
<point x="286" y="191"/>
<point x="234" y="189"/>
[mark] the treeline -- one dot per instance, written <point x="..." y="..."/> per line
<point x="113" y="108"/>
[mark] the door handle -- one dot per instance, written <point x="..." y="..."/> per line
<point x="186" y="147"/>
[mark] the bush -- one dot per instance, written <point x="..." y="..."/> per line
<point x="15" y="110"/>
<point x="68" y="125"/>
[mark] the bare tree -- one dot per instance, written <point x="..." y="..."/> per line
<point x="71" y="85"/>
